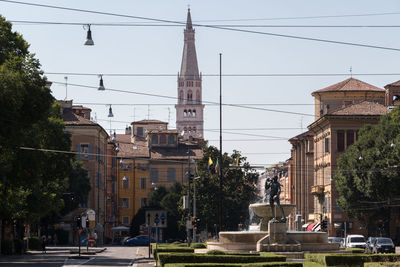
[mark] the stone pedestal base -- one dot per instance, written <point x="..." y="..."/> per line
<point x="277" y="232"/>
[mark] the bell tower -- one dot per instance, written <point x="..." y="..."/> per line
<point x="189" y="109"/>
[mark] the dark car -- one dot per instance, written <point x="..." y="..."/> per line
<point x="383" y="245"/>
<point x="140" y="240"/>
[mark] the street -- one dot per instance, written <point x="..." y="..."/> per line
<point x="61" y="256"/>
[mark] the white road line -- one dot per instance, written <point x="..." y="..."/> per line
<point x="134" y="265"/>
<point x="78" y="264"/>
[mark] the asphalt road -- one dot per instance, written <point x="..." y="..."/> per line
<point x="60" y="256"/>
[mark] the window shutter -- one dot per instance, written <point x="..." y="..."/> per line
<point x="78" y="149"/>
<point x="90" y="152"/>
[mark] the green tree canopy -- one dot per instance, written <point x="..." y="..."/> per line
<point x="368" y="173"/>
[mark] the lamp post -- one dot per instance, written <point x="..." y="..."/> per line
<point x="188" y="200"/>
<point x="194" y="208"/>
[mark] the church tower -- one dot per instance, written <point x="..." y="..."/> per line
<point x="189" y="110"/>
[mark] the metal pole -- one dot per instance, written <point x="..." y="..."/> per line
<point x="148" y="232"/>
<point x="220" y="144"/>
<point x="188" y="199"/>
<point x="194" y="209"/>
<point x="157" y="244"/>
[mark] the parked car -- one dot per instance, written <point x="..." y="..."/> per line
<point x="383" y="245"/>
<point x="140" y="240"/>
<point x="334" y="239"/>
<point x="355" y="241"/>
<point x="370" y="243"/>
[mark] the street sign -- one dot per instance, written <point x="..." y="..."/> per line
<point x="156" y="218"/>
<point x="91" y="241"/>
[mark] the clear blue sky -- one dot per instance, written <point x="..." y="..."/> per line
<point x="158" y="50"/>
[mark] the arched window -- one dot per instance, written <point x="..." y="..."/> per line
<point x="189" y="95"/>
<point x="185" y="113"/>
<point x="194" y="129"/>
<point x="194" y="112"/>
<point x="180" y="95"/>
<point x="189" y="113"/>
<point x="190" y="129"/>
<point x="185" y="129"/>
<point x="198" y="96"/>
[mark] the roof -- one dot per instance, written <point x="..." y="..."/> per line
<point x="81" y="107"/>
<point x="393" y="84"/>
<point x="149" y="122"/>
<point x="302" y="135"/>
<point x="129" y="149"/>
<point x="180" y="152"/>
<point x="362" y="108"/>
<point x="164" y="131"/>
<point x="70" y="118"/>
<point x="350" y="85"/>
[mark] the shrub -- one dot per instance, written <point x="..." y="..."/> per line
<point x="198" y="245"/>
<point x="165" y="258"/>
<point x="6" y="247"/>
<point x="35" y="243"/>
<point x="216" y="252"/>
<point x="350" y="259"/>
<point x="171" y="249"/>
<point x="261" y="264"/>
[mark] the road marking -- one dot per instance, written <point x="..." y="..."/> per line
<point x="78" y="264"/>
<point x="134" y="265"/>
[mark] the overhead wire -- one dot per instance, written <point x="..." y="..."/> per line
<point x="206" y="26"/>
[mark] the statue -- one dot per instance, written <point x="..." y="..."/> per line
<point x="275" y="190"/>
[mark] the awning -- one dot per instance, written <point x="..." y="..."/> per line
<point x="311" y="226"/>
<point x="305" y="225"/>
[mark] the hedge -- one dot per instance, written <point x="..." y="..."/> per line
<point x="165" y="258"/>
<point x="382" y="264"/>
<point x="198" y="245"/>
<point x="171" y="249"/>
<point x="262" y="264"/>
<point x="350" y="259"/>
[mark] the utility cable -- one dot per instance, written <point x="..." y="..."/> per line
<point x="205" y="26"/>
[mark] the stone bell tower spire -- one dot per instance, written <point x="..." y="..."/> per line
<point x="189" y="109"/>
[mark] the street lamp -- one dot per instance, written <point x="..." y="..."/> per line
<point x="194" y="206"/>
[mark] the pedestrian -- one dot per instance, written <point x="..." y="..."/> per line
<point x="44" y="244"/>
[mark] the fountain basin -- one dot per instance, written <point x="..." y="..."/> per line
<point x="243" y="241"/>
<point x="263" y="210"/>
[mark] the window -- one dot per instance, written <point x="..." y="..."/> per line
<point x="189" y="113"/>
<point x="125" y="220"/>
<point x="163" y="139"/>
<point x="143" y="201"/>
<point x="154" y="175"/>
<point x="124" y="203"/>
<point x="194" y="129"/>
<point x="340" y="141"/>
<point x="125" y="182"/>
<point x="171" y="139"/>
<point x="85" y="151"/>
<point x="189" y="95"/>
<point x="180" y="95"/>
<point x="350" y="138"/>
<point x="143" y="183"/>
<point x="185" y="113"/>
<point x="139" y="131"/>
<point x="154" y="139"/>
<point x="113" y="163"/>
<point x="113" y="187"/>
<point x="171" y="175"/>
<point x="194" y="113"/>
<point x="326" y="145"/>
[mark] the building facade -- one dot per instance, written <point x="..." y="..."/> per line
<point x="189" y="109"/>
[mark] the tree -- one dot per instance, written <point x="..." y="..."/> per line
<point x="368" y="173"/>
<point x="32" y="179"/>
<point x="239" y="190"/>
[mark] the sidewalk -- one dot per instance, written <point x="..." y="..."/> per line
<point x="68" y="249"/>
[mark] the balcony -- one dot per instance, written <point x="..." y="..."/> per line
<point x="317" y="190"/>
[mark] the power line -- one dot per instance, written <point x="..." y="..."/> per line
<point x="225" y="75"/>
<point x="122" y="24"/>
<point x="175" y="98"/>
<point x="206" y="26"/>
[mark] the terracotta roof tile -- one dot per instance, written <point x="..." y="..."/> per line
<point x="129" y="149"/>
<point x="350" y="84"/>
<point x="149" y="122"/>
<point x="70" y="118"/>
<point x="394" y="84"/>
<point x="362" y="108"/>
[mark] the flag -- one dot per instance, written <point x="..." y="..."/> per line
<point x="217" y="167"/>
<point x="210" y="162"/>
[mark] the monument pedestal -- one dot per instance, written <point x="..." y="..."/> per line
<point x="277" y="232"/>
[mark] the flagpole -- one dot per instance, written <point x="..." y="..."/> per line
<point x="220" y="144"/>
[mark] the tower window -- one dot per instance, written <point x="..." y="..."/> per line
<point x="194" y="129"/>
<point x="189" y="113"/>
<point x="185" y="113"/>
<point x="194" y="113"/>
<point x="190" y="95"/>
<point x="181" y="95"/>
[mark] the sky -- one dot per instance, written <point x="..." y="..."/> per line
<point x="273" y="106"/>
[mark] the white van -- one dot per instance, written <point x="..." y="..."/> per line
<point x="355" y="241"/>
